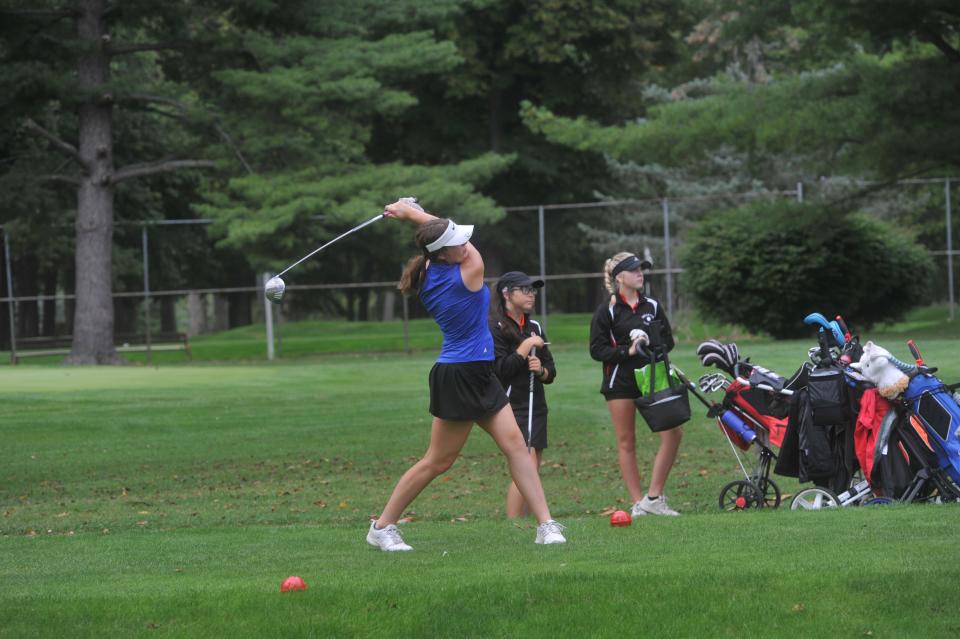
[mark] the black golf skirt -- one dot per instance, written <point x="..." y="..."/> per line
<point x="539" y="440"/>
<point x="465" y="391"/>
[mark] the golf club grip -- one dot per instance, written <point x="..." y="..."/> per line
<point x="843" y="327"/>
<point x="533" y="353"/>
<point x="915" y="352"/>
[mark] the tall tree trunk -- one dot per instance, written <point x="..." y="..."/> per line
<point x="49" y="327"/>
<point x="240" y="311"/>
<point x="28" y="311"/>
<point x="168" y="314"/>
<point x="93" y="322"/>
<point x="4" y="307"/>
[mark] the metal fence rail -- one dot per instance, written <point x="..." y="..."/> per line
<point x="667" y="272"/>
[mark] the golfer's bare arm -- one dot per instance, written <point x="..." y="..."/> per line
<point x="471" y="269"/>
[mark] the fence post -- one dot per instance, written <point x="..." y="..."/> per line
<point x="543" y="267"/>
<point x="799" y="191"/>
<point x="666" y="256"/>
<point x="146" y="292"/>
<point x="13" y="316"/>
<point x="267" y="314"/>
<point x="946" y="189"/>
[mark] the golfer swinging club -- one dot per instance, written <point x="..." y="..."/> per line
<point x="448" y="276"/>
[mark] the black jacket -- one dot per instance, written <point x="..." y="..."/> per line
<point x="511" y="367"/>
<point x="610" y="340"/>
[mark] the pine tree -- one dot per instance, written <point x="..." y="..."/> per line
<point x="71" y="70"/>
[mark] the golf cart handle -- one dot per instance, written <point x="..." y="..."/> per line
<point x="746" y="383"/>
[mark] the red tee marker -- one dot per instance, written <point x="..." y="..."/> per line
<point x="620" y="519"/>
<point x="293" y="583"/>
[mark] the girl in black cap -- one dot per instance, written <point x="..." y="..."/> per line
<point x="619" y="327"/>
<point x="448" y="277"/>
<point x="519" y="345"/>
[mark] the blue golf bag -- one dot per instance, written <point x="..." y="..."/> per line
<point x="937" y="411"/>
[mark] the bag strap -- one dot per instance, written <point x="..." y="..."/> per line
<point x="651" y="355"/>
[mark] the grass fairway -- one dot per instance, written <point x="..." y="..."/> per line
<point x="172" y="501"/>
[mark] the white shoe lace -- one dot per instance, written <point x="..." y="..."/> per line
<point x="392" y="535"/>
<point x="551" y="527"/>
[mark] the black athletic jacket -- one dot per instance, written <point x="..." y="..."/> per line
<point x="511" y="367"/>
<point x="610" y="341"/>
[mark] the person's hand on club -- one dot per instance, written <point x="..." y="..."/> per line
<point x="534" y="341"/>
<point x="638" y="338"/>
<point x="534" y="365"/>
<point x="402" y="209"/>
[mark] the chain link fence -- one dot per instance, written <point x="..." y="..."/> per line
<point x="175" y="284"/>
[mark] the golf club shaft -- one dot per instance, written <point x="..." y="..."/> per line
<point x="339" y="237"/>
<point x="533" y="353"/>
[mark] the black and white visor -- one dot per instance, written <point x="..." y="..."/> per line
<point x="631" y="263"/>
<point x="455" y="235"/>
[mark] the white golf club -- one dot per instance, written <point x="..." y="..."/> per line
<point x="275" y="286"/>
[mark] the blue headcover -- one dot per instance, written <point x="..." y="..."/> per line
<point x="817" y="319"/>
<point x="939" y="412"/>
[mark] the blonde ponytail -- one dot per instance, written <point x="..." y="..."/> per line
<point x="608" y="280"/>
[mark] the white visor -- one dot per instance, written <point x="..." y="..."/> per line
<point x="455" y="235"/>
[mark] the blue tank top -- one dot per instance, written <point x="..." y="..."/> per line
<point x="460" y="313"/>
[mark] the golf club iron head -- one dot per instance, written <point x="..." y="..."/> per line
<point x="274" y="289"/>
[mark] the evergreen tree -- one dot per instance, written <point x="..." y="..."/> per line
<point x="75" y="74"/>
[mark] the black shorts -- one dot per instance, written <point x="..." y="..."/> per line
<point x="539" y="428"/>
<point x="621" y="395"/>
<point x="465" y="391"/>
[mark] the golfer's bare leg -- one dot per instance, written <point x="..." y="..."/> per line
<point x="623" y="413"/>
<point x="505" y="432"/>
<point x="446" y="441"/>
<point x="516" y="506"/>
<point x="666" y="456"/>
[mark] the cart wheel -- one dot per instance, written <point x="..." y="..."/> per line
<point x="740" y="495"/>
<point x="878" y="501"/>
<point x="771" y="492"/>
<point x="814" y="499"/>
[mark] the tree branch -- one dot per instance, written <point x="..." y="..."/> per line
<point x="152" y="168"/>
<point x="124" y="49"/>
<point x="159" y="99"/>
<point x="68" y="179"/>
<point x="937" y="40"/>
<point x="236" y="151"/>
<point x="66" y="147"/>
<point x="40" y="13"/>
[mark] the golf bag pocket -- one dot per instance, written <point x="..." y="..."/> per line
<point x="827" y="392"/>
<point x="668" y="407"/>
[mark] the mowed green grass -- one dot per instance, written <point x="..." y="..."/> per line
<point x="172" y="501"/>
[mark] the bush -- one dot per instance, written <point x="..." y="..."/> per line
<point x="767" y="265"/>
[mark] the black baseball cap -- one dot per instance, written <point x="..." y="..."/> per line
<point x="515" y="279"/>
<point x="631" y="263"/>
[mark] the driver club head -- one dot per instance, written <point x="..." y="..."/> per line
<point x="274" y="288"/>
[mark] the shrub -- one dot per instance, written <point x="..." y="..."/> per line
<point x="767" y="265"/>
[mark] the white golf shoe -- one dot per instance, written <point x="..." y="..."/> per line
<point x="387" y="538"/>
<point x="637" y="511"/>
<point x="656" y="506"/>
<point x="550" y="532"/>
